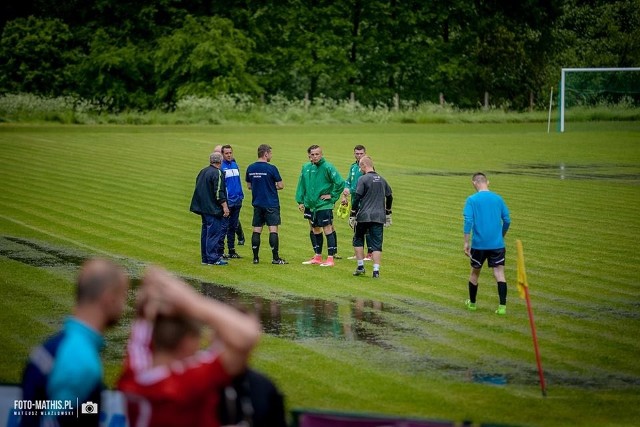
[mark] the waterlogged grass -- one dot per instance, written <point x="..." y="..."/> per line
<point x="403" y="344"/>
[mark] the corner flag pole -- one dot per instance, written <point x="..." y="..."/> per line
<point x="523" y="289"/>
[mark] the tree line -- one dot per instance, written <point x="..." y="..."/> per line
<point x="145" y="54"/>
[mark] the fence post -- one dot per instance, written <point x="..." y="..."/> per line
<point x="486" y="100"/>
<point x="352" y="98"/>
<point x="530" y="101"/>
<point x="441" y="99"/>
<point x="396" y="102"/>
<point x="306" y="102"/>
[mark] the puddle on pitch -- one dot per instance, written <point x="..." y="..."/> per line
<point x="560" y="170"/>
<point x="288" y="317"/>
<point x="485" y="378"/>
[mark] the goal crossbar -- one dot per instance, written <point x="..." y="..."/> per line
<point x="586" y="70"/>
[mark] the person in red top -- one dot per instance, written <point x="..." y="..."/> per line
<point x="166" y="379"/>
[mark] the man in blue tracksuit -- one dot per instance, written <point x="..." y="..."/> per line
<point x="486" y="217"/>
<point x="231" y="173"/>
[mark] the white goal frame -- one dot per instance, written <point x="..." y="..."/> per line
<point x="581" y="70"/>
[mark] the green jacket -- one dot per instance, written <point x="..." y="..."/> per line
<point x="316" y="180"/>
<point x="352" y="178"/>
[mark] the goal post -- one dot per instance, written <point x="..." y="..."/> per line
<point x="565" y="71"/>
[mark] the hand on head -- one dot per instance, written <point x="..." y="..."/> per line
<point x="162" y="293"/>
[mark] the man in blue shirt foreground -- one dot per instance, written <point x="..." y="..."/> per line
<point x="67" y="367"/>
<point x="486" y="217"/>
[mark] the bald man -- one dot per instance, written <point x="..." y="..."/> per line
<point x="67" y="367"/>
<point x="371" y="212"/>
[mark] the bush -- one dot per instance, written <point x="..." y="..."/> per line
<point x="241" y="108"/>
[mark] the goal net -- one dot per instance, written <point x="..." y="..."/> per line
<point x="589" y="87"/>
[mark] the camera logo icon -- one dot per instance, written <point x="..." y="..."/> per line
<point x="89" y="408"/>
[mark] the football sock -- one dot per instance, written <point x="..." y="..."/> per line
<point x="255" y="243"/>
<point x="274" y="243"/>
<point x="319" y="243"/>
<point x="502" y="292"/>
<point x="332" y="243"/>
<point x="473" y="291"/>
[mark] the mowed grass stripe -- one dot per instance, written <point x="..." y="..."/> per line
<point x="578" y="238"/>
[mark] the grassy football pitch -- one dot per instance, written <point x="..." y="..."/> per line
<point x="402" y="345"/>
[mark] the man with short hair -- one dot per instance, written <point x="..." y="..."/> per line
<point x="264" y="181"/>
<point x="350" y="184"/>
<point x="486" y="220"/>
<point x="371" y="212"/>
<point x="210" y="202"/>
<point x="235" y="196"/>
<point x="167" y="379"/>
<point x="68" y="366"/>
<point x="319" y="187"/>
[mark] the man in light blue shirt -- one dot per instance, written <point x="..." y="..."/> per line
<point x="486" y="221"/>
<point x="67" y="367"/>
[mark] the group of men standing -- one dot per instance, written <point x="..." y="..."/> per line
<point x="218" y="198"/>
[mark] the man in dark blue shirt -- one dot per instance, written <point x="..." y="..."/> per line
<point x="264" y="181"/>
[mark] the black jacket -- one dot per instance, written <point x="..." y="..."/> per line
<point x="210" y="192"/>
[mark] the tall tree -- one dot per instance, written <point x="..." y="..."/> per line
<point x="37" y="56"/>
<point x="205" y="57"/>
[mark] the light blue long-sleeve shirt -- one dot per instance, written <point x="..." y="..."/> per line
<point x="486" y="218"/>
<point x="77" y="369"/>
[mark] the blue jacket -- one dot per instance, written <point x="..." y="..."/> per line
<point x="231" y="173"/>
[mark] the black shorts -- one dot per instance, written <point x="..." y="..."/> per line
<point x="494" y="257"/>
<point x="262" y="216"/>
<point x="320" y="218"/>
<point x="374" y="232"/>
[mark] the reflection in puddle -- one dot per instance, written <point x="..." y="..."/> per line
<point x="291" y="318"/>
<point x="299" y="318"/>
<point x="556" y="170"/>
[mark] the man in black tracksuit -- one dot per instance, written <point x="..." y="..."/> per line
<point x="210" y="202"/>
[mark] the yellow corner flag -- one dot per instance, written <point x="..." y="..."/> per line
<point x="522" y="274"/>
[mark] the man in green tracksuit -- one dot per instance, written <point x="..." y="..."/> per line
<point x="319" y="187"/>
<point x="350" y="185"/>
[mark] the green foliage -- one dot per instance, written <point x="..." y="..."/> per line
<point x="205" y="57"/>
<point x="121" y="75"/>
<point x="37" y="56"/>
<point x="148" y="54"/>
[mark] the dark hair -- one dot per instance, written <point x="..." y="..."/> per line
<point x="313" y="147"/>
<point x="359" y="147"/>
<point x="263" y="149"/>
<point x="168" y="331"/>
<point x="225" y="146"/>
